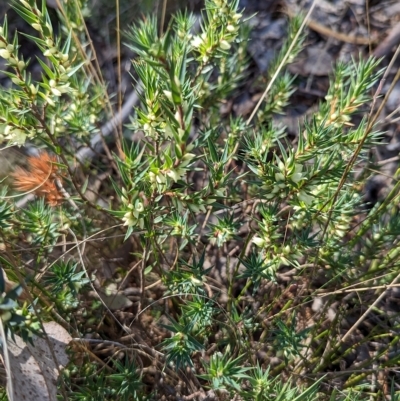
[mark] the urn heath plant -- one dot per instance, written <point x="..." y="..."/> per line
<point x="186" y="254"/>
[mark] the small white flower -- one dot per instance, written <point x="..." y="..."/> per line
<point x="137" y="209"/>
<point x="139" y="206"/>
<point x="129" y="219"/>
<point x="196" y="42"/>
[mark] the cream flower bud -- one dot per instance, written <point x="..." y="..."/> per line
<point x="4" y="53"/>
<point x="17" y="81"/>
<point x="129" y="219"/>
<point x="50" y="101"/>
<point x="7" y="130"/>
<point x="224" y="45"/>
<point x="258" y="241"/>
<point x="168" y="94"/>
<point x="160" y="179"/>
<point x="55" y="92"/>
<point x="38" y="27"/>
<point x="5" y="316"/>
<point x="50" y="52"/>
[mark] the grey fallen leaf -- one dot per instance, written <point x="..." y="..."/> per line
<point x="115" y="300"/>
<point x="33" y="370"/>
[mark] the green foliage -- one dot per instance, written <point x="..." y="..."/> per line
<point x="15" y="318"/>
<point x="262" y="387"/>
<point x="65" y="282"/>
<point x="287" y="340"/>
<point x="127" y="380"/>
<point x="180" y="346"/>
<point x="225" y="373"/>
<point x="231" y="227"/>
